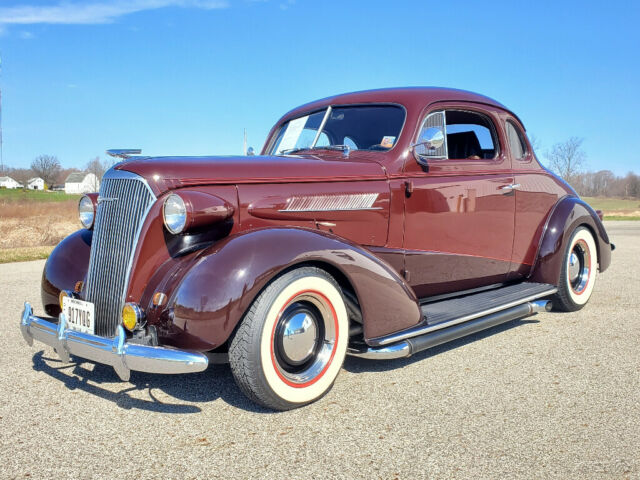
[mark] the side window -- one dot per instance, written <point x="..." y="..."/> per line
<point x="517" y="145"/>
<point x="470" y="135"/>
<point x="462" y="134"/>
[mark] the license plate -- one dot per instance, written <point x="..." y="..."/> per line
<point x="80" y="314"/>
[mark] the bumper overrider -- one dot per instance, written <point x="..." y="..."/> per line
<point x="122" y="356"/>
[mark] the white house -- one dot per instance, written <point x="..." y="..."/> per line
<point x="35" y="184"/>
<point x="81" y="182"/>
<point x="8" y="182"/>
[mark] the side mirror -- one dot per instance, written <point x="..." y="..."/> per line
<point x="429" y="142"/>
<point x="431" y="139"/>
<point x="251" y="151"/>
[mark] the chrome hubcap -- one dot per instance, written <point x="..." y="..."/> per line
<point x="305" y="338"/>
<point x="299" y="337"/>
<point x="579" y="267"/>
<point x="574" y="266"/>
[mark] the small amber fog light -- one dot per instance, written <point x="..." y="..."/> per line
<point x="159" y="299"/>
<point x="131" y="316"/>
<point x="61" y="295"/>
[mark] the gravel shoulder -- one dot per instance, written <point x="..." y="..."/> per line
<point x="552" y="396"/>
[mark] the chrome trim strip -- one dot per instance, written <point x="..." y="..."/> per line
<point x="334" y="210"/>
<point x="122" y="356"/>
<point x="423" y="328"/>
<point x="331" y="203"/>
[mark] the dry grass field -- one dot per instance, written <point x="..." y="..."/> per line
<point x="616" y="208"/>
<point x="33" y="222"/>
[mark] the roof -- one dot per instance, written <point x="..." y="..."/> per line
<point x="34" y="179"/>
<point x="4" y="179"/>
<point x="76" y="177"/>
<point x="406" y="96"/>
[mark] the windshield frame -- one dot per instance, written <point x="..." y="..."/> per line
<point x="327" y="109"/>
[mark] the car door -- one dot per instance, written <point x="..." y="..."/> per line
<point x="459" y="207"/>
<point x="538" y="191"/>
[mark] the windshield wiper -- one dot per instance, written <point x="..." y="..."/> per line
<point x="294" y="150"/>
<point x="341" y="148"/>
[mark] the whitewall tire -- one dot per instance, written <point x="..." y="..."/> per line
<point x="290" y="346"/>
<point x="578" y="273"/>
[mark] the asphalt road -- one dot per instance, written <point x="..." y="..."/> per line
<point x="555" y="395"/>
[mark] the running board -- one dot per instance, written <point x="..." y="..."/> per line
<point x="447" y="313"/>
<point x="408" y="347"/>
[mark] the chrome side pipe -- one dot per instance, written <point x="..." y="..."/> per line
<point x="408" y="347"/>
<point x="122" y="356"/>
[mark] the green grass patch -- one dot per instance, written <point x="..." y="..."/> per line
<point x="24" y="254"/>
<point x="18" y="195"/>
<point x="613" y="204"/>
<point x="620" y="217"/>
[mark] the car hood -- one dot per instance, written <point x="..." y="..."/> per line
<point x="166" y="173"/>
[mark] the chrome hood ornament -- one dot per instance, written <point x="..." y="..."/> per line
<point x="124" y="153"/>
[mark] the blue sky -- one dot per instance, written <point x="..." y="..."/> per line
<point x="186" y="76"/>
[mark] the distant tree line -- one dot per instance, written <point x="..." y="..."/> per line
<point x="568" y="160"/>
<point x="605" y="184"/>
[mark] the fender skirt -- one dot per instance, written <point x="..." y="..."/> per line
<point x="220" y="286"/>
<point x="568" y="214"/>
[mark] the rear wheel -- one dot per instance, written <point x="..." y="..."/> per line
<point x="292" y="342"/>
<point x="578" y="274"/>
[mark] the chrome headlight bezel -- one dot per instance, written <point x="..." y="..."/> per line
<point x="86" y="212"/>
<point x="174" y="214"/>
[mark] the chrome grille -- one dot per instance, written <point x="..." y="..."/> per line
<point x="123" y="202"/>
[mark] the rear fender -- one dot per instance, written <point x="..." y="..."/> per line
<point x="220" y="286"/>
<point x="568" y="214"/>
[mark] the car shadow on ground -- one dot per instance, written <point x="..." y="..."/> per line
<point x="361" y="365"/>
<point x="204" y="387"/>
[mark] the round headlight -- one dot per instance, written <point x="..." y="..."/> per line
<point x="174" y="213"/>
<point x="86" y="212"/>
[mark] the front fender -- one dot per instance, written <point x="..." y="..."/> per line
<point x="214" y="294"/>
<point x="569" y="213"/>
<point x="67" y="264"/>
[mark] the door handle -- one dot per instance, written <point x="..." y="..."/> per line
<point x="509" y="188"/>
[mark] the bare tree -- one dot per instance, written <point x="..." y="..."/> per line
<point x="631" y="185"/>
<point x="98" y="168"/>
<point x="20" y="175"/>
<point x="46" y="167"/>
<point x="567" y="158"/>
<point x="535" y="143"/>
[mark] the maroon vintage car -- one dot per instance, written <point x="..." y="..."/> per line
<point x="375" y="224"/>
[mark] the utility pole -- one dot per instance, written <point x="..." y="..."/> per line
<point x="244" y="148"/>
<point x="1" y="159"/>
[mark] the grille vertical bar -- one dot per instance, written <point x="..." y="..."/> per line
<point x="121" y="210"/>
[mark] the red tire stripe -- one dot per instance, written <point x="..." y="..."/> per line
<point x="333" y="352"/>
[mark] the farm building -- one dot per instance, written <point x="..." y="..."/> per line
<point x="35" y="184"/>
<point x="81" y="182"/>
<point x="8" y="182"/>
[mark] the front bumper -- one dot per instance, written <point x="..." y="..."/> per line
<point x="122" y="356"/>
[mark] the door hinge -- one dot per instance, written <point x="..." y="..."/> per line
<point x="408" y="187"/>
<point x="406" y="274"/>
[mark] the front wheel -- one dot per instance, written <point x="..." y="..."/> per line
<point x="578" y="274"/>
<point x="291" y="344"/>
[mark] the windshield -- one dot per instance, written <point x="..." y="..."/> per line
<point x="368" y="127"/>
